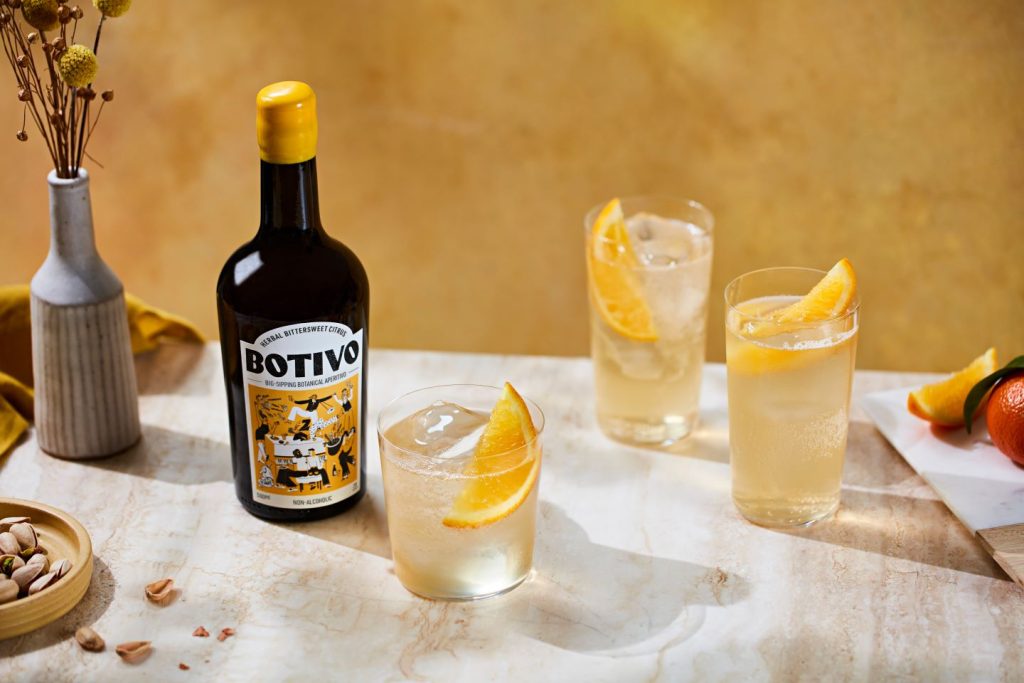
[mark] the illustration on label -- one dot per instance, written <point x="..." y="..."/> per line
<point x="302" y="396"/>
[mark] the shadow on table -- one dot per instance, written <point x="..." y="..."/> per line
<point x="173" y="457"/>
<point x="871" y="462"/>
<point x="364" y="527"/>
<point x="92" y="606"/>
<point x="707" y="442"/>
<point x="595" y="599"/>
<point x="907" y="528"/>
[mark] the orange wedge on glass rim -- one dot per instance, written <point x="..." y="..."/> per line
<point x="942" y="403"/>
<point x="504" y="467"/>
<point x="832" y="297"/>
<point x="615" y="293"/>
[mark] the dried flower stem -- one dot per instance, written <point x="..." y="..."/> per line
<point x="62" y="113"/>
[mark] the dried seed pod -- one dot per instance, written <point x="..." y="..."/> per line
<point x="21" y="135"/>
<point x="42" y="583"/>
<point x="59" y="44"/>
<point x="9" y="563"/>
<point x="60" y="567"/>
<point x="32" y="38"/>
<point x="89" y="640"/>
<point x="7" y="522"/>
<point x="64" y="14"/>
<point x="24" y="95"/>
<point x="76" y="12"/>
<point x="26" y="535"/>
<point x="201" y="632"/>
<point x="108" y="95"/>
<point x="160" y="592"/>
<point x="9" y="544"/>
<point x="8" y="591"/>
<point x="26" y="575"/>
<point x="134" y="651"/>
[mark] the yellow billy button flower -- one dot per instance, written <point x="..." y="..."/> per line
<point x="112" y="8"/>
<point x="78" y="66"/>
<point x="40" y="14"/>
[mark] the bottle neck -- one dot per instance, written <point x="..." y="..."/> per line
<point x="288" y="197"/>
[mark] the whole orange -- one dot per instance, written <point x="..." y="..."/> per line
<point x="1005" y="417"/>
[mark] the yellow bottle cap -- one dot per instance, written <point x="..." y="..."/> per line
<point x="286" y="122"/>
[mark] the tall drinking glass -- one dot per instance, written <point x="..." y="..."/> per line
<point x="649" y="271"/>
<point x="461" y="525"/>
<point x="789" y="399"/>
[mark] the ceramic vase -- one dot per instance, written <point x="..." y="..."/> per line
<point x="86" y="399"/>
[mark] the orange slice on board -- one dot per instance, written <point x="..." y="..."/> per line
<point x="942" y="403"/>
<point x="504" y="467"/>
<point x="616" y="294"/>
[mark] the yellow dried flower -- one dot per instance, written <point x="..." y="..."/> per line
<point x="112" y="8"/>
<point x="78" y="66"/>
<point x="40" y="14"/>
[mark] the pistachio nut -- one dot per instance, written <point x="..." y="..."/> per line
<point x="41" y="560"/>
<point x="160" y="591"/>
<point x="44" y="581"/>
<point x="26" y="535"/>
<point x="8" y="563"/>
<point x="133" y="651"/>
<point x="26" y="575"/>
<point x="89" y="640"/>
<point x="60" y="567"/>
<point x="9" y="544"/>
<point x="27" y="553"/>
<point x="7" y="522"/>
<point x="8" y="590"/>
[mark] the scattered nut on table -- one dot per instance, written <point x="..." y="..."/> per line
<point x="225" y="633"/>
<point x="201" y="632"/>
<point x="160" y="592"/>
<point x="134" y="651"/>
<point x="89" y="640"/>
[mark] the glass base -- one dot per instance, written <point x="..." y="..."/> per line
<point x="659" y="433"/>
<point x="470" y="597"/>
<point x="786" y="517"/>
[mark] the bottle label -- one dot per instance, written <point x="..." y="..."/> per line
<point x="302" y="409"/>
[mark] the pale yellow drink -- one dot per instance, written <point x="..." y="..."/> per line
<point x="427" y="464"/>
<point x="789" y="400"/>
<point x="647" y="383"/>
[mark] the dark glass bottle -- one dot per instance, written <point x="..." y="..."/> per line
<point x="293" y="305"/>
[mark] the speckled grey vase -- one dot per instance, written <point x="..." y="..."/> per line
<point x="86" y="399"/>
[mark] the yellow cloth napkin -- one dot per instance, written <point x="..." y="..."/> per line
<point x="149" y="326"/>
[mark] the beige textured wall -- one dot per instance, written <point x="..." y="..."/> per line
<point x="462" y="142"/>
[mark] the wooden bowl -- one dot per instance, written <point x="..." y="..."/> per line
<point x="63" y="537"/>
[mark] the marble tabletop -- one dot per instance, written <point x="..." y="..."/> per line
<point x="644" y="570"/>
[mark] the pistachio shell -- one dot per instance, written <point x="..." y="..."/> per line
<point x="26" y="535"/>
<point x="7" y="522"/>
<point x="26" y="575"/>
<point x="9" y="544"/>
<point x="89" y="640"/>
<point x="44" y="581"/>
<point x="60" y="567"/>
<point x="41" y="560"/>
<point x="160" y="591"/>
<point x="8" y="563"/>
<point x="133" y="651"/>
<point x="8" y="591"/>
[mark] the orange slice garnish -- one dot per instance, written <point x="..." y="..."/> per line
<point x="504" y="467"/>
<point x="942" y="403"/>
<point x="616" y="294"/>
